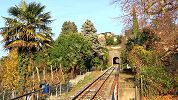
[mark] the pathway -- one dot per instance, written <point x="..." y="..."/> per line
<point x="126" y="87"/>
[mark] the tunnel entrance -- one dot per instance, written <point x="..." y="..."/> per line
<point x="116" y="60"/>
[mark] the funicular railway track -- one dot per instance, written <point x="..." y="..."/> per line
<point x="92" y="91"/>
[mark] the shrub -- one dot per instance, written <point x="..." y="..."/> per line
<point x="156" y="80"/>
<point x="110" y="40"/>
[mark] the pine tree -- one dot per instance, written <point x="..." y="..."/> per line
<point x="69" y="27"/>
<point x="135" y="23"/>
<point x="88" y="28"/>
<point x="89" y="31"/>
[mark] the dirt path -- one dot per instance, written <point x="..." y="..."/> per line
<point x="126" y="87"/>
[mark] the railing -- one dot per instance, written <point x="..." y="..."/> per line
<point x="55" y="89"/>
<point x="39" y="94"/>
<point x="5" y="95"/>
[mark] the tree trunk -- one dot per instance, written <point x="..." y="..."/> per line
<point x="62" y="72"/>
<point x="77" y="70"/>
<point x="72" y="72"/>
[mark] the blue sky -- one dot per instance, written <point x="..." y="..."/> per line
<point x="100" y="12"/>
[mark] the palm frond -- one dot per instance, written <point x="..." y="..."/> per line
<point x="33" y="44"/>
<point x="14" y="11"/>
<point x="23" y="6"/>
<point x="35" y="8"/>
<point x="48" y="45"/>
<point x="28" y="27"/>
<point x="17" y="43"/>
<point x="42" y="37"/>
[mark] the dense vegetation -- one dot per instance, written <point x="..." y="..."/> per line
<point x="151" y="47"/>
<point x="26" y="32"/>
<point x="152" y="44"/>
<point x="33" y="53"/>
<point x="113" y="40"/>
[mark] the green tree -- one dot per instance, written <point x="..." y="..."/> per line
<point x="119" y="39"/>
<point x="72" y="49"/>
<point x="88" y="28"/>
<point x="27" y="29"/>
<point x="69" y="27"/>
<point x="89" y="31"/>
<point x="110" y="40"/>
<point x="135" y="23"/>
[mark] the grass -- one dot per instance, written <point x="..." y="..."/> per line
<point x="80" y="85"/>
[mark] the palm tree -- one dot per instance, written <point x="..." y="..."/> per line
<point x="27" y="29"/>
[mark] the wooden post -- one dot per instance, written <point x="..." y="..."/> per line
<point x="56" y="90"/>
<point x="33" y="87"/>
<point x="15" y="93"/>
<point x="38" y="74"/>
<point x="135" y="92"/>
<point x="67" y="87"/>
<point x="60" y="88"/>
<point x="13" y="96"/>
<point x="51" y="74"/>
<point x="37" y="96"/>
<point x="68" y="84"/>
<point x="4" y="95"/>
<point x="44" y="74"/>
<point x="141" y="88"/>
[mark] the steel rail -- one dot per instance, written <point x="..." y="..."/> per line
<point x="81" y="92"/>
<point x="102" y="84"/>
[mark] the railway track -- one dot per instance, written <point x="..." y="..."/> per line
<point x="93" y="90"/>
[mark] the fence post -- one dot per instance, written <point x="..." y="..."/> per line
<point x="135" y="92"/>
<point x="68" y="84"/>
<point x="56" y="90"/>
<point x="141" y="87"/>
<point x="60" y="88"/>
<point x="67" y="87"/>
<point x="4" y="95"/>
<point x="13" y="96"/>
<point x="37" y="96"/>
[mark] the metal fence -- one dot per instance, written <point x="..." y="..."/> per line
<point x="54" y="90"/>
<point x="6" y="95"/>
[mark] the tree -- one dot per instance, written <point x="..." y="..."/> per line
<point x="69" y="27"/>
<point x="10" y="75"/>
<point x="89" y="31"/>
<point x="119" y="39"/>
<point x="88" y="28"/>
<point x="135" y="24"/>
<point x="109" y="40"/>
<point x="148" y="6"/>
<point x="154" y="48"/>
<point x="73" y="50"/>
<point x="147" y="10"/>
<point x="27" y="30"/>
